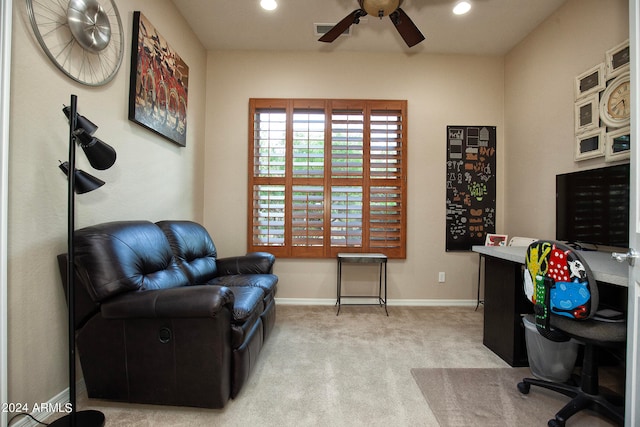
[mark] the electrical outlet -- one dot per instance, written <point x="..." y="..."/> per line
<point x="441" y="277"/>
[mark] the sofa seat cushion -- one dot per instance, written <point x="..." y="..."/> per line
<point x="268" y="283"/>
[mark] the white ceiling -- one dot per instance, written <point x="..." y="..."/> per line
<point x="492" y="27"/>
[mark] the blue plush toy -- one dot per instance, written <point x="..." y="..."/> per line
<point x="569" y="298"/>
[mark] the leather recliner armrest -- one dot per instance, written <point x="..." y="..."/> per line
<point x="251" y="263"/>
<point x="185" y="302"/>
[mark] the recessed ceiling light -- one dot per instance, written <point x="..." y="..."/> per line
<point x="268" y="4"/>
<point x="462" y="7"/>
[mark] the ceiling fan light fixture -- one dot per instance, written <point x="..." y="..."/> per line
<point x="268" y="4"/>
<point x="379" y="8"/>
<point x="462" y="7"/>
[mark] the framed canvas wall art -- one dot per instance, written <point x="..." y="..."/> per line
<point x="158" y="83"/>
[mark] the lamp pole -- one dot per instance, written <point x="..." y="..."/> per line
<point x="71" y="219"/>
<point x="87" y="418"/>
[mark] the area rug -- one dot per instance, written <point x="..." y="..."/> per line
<point x="490" y="397"/>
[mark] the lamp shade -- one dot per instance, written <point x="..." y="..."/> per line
<point x="81" y="121"/>
<point x="84" y="181"/>
<point x="101" y="155"/>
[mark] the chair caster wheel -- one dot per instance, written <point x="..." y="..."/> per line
<point x="555" y="423"/>
<point x="524" y="388"/>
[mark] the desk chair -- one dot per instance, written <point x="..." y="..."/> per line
<point x="565" y="293"/>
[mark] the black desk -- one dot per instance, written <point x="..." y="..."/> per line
<point x="367" y="258"/>
<point x="505" y="302"/>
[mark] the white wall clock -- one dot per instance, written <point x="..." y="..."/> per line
<point x="615" y="103"/>
<point x="83" y="38"/>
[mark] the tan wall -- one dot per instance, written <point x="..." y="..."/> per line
<point x="441" y="90"/>
<point x="539" y="106"/>
<point x="152" y="179"/>
<point x="528" y="95"/>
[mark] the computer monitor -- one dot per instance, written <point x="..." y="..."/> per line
<point x="592" y="206"/>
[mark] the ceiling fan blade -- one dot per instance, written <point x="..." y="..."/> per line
<point x="341" y="27"/>
<point x="405" y="26"/>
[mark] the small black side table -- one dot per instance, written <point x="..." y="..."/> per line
<point x="366" y="258"/>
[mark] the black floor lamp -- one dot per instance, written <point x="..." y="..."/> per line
<point x="101" y="156"/>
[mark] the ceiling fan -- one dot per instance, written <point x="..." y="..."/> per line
<point x="380" y="8"/>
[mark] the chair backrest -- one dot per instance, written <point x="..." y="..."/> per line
<point x="194" y="249"/>
<point x="123" y="256"/>
<point x="559" y="282"/>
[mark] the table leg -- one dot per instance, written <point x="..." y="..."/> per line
<point x="385" y="287"/>
<point x="380" y="284"/>
<point x="478" y="302"/>
<point x="339" y="286"/>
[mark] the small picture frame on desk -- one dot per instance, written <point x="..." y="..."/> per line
<point x="496" y="240"/>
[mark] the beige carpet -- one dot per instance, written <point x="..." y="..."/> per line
<point x="489" y="397"/>
<point x="319" y="369"/>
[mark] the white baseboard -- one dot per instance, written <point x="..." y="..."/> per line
<point x="54" y="406"/>
<point x="390" y="303"/>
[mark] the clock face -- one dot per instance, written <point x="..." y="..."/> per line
<point x="615" y="103"/>
<point x="618" y="104"/>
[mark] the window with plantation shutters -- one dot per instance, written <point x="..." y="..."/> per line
<point x="327" y="176"/>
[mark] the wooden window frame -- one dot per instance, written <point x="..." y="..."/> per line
<point x="303" y="198"/>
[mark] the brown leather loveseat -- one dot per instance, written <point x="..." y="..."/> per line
<point x="160" y="319"/>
